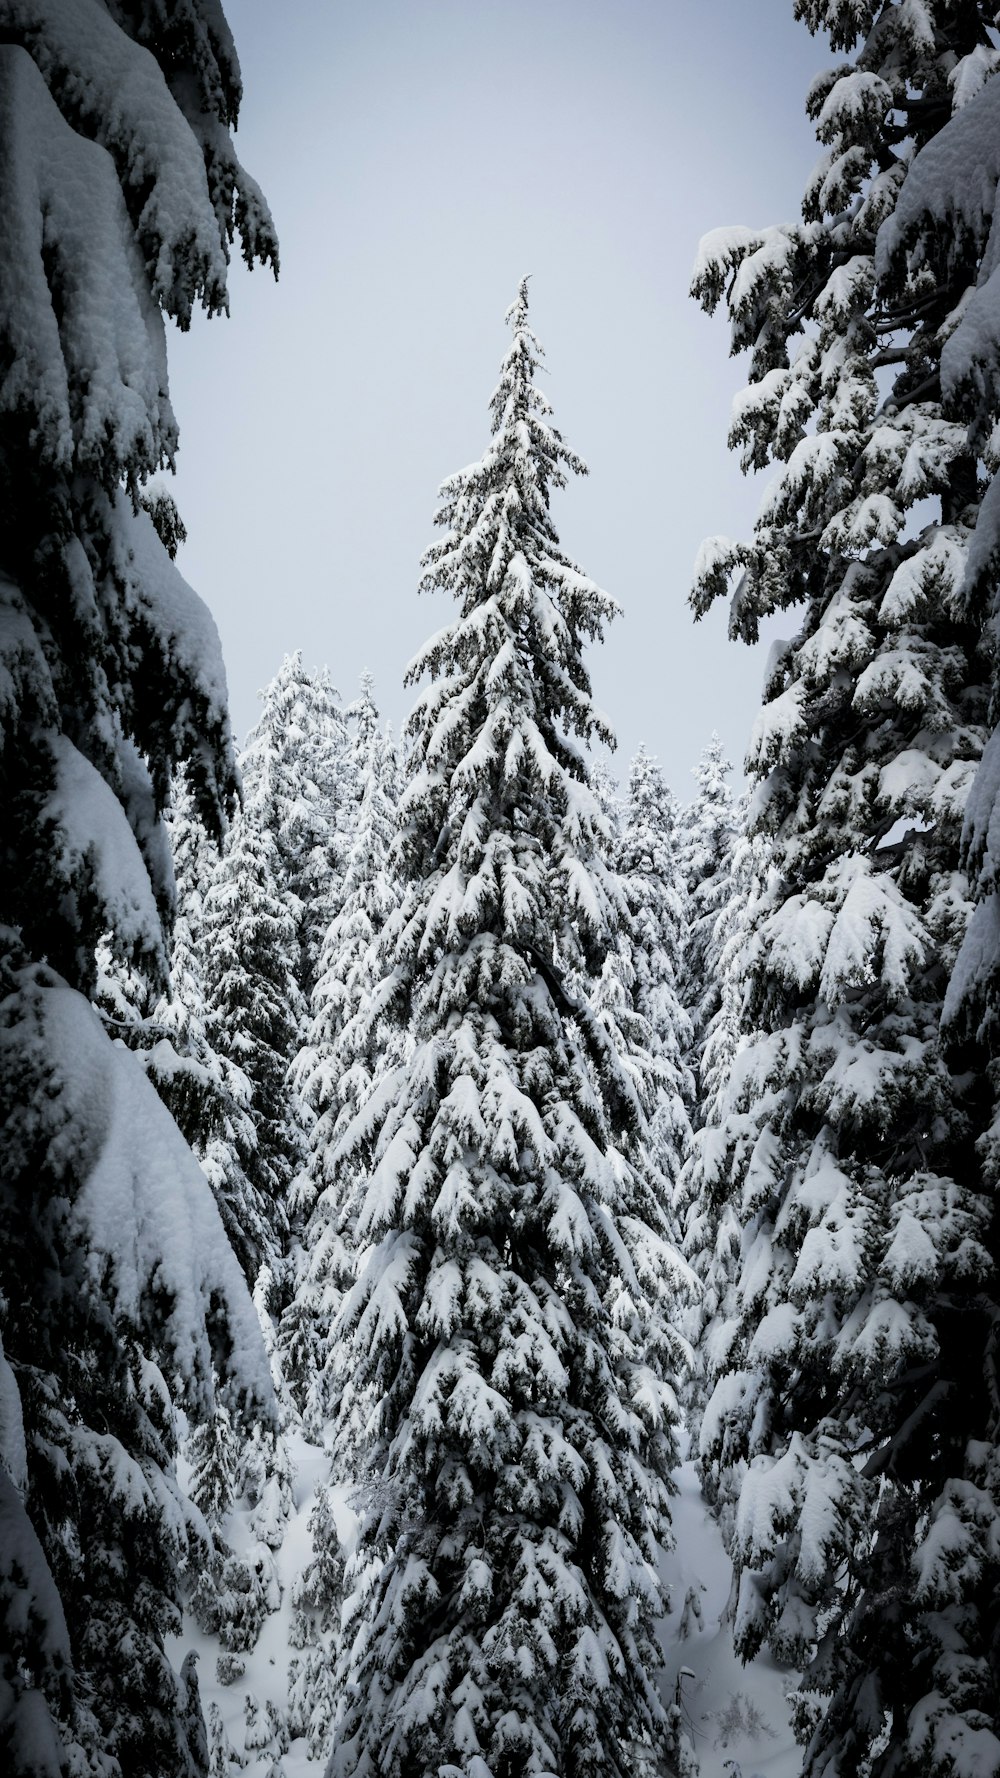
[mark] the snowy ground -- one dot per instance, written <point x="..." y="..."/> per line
<point x="733" y="1713"/>
<point x="266" y="1675"/>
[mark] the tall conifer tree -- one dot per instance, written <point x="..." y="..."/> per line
<point x="707" y="841"/>
<point x="943" y="233"/>
<point x="656" y="926"/>
<point x="298" y="787"/>
<point x="349" y="1045"/>
<point x="121" y="195"/>
<point x="842" y="1394"/>
<point x="254" y="1014"/>
<point x="207" y="1092"/>
<point x="635" y="995"/>
<point x="508" y="1322"/>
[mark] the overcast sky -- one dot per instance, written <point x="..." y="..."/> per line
<point x="419" y="156"/>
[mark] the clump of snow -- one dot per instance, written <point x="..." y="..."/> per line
<point x="180" y="620"/>
<point x="147" y="1212"/>
<point x="91" y="826"/>
<point x="86" y="357"/>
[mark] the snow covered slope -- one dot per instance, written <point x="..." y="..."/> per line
<point x="266" y="1676"/>
<point x="731" y="1712"/>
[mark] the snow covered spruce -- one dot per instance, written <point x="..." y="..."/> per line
<point x="349" y="1046"/>
<point x="255" y="1012"/>
<point x="119" y="1294"/>
<point x="246" y="944"/>
<point x="852" y="1421"/>
<point x="638" y="993"/>
<point x="509" y="1333"/>
<point x="299" y="787"/>
<point x="707" y="843"/>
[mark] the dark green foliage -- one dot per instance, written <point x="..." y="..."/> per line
<point x="862" y="1270"/>
<point x="113" y="1269"/>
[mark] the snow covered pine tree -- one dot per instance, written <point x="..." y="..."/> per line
<point x="509" y="1320"/>
<point x="717" y="886"/>
<point x="656" y="928"/>
<point x="269" y="898"/>
<point x="635" y="997"/>
<point x="298" y="787"/>
<point x="943" y="230"/>
<point x="349" y="1046"/>
<point x="120" y="195"/>
<point x="845" y="1397"/>
<point x="706" y="845"/>
<point x="254" y="1014"/>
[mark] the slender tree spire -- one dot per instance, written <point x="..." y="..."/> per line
<point x="506" y="1330"/>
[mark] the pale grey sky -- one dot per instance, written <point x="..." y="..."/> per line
<point x="419" y="156"/>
